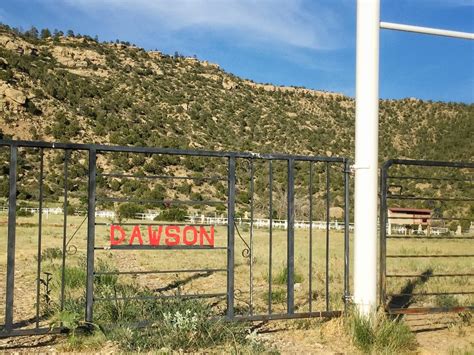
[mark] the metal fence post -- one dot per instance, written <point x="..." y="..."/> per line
<point x="383" y="230"/>
<point x="11" y="238"/>
<point x="328" y="228"/>
<point x="40" y="236"/>
<point x="230" y="237"/>
<point x="291" y="238"/>
<point x="347" y="172"/>
<point x="91" y="234"/>
<point x="65" y="205"/>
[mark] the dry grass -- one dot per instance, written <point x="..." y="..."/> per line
<point x="26" y="248"/>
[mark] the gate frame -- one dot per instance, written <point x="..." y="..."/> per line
<point x="94" y="149"/>
<point x="384" y="176"/>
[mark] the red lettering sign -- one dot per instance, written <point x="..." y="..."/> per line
<point x="163" y="235"/>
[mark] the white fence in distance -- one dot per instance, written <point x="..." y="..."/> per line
<point x="257" y="222"/>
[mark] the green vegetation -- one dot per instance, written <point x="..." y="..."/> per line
<point x="380" y="335"/>
<point x="278" y="296"/>
<point x="171" y="324"/>
<point x="281" y="278"/>
<point x="173" y="214"/>
<point x="81" y="90"/>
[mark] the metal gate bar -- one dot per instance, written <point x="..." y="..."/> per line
<point x="65" y="206"/>
<point x="11" y="239"/>
<point x="270" y="234"/>
<point x="230" y="237"/>
<point x="328" y="180"/>
<point x="310" y="276"/>
<point x="40" y="229"/>
<point x="384" y="236"/>
<point x="290" y="259"/>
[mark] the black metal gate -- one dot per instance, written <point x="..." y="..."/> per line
<point x="427" y="233"/>
<point x="269" y="205"/>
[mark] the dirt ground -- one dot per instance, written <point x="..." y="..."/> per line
<point x="435" y="334"/>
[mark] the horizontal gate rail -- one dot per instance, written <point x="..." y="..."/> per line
<point x="166" y="151"/>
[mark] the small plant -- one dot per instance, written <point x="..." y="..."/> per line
<point x="281" y="278"/>
<point x="51" y="254"/>
<point x="20" y="212"/>
<point x="74" y="277"/>
<point x="278" y="296"/>
<point x="446" y="301"/>
<point x="379" y="334"/>
<point x="466" y="318"/>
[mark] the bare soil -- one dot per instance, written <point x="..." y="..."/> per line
<point x="435" y="334"/>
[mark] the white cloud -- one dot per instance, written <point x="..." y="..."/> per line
<point x="286" y="22"/>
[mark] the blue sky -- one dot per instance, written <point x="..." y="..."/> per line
<point x="308" y="43"/>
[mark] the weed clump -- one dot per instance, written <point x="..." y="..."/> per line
<point x="446" y="301"/>
<point x="278" y="296"/>
<point x="134" y="319"/>
<point x="379" y="334"/>
<point x="281" y="278"/>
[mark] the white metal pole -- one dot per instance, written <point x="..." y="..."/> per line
<point x="426" y="30"/>
<point x="366" y="155"/>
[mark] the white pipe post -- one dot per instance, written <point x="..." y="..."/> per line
<point x="366" y="155"/>
<point x="426" y="30"/>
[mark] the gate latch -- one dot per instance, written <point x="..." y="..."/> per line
<point x="355" y="167"/>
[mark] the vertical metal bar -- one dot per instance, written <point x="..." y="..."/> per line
<point x="291" y="238"/>
<point x="346" y="232"/>
<point x="270" y="242"/>
<point x="251" y="234"/>
<point x="91" y="235"/>
<point x="383" y="233"/>
<point x="63" y="269"/>
<point x="230" y="236"/>
<point x="11" y="238"/>
<point x="310" y="276"/>
<point x="328" y="177"/>
<point x="40" y="230"/>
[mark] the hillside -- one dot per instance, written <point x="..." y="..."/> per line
<point x="75" y="89"/>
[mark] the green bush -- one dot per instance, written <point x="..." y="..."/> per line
<point x="129" y="210"/>
<point x="173" y="214"/>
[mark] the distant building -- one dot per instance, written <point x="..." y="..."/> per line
<point x="409" y="220"/>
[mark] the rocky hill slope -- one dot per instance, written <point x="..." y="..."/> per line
<point x="73" y="88"/>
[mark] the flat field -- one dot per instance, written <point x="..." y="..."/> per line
<point x="165" y="284"/>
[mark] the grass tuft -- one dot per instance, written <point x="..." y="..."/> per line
<point x="446" y="301"/>
<point x="278" y="296"/>
<point x="281" y="278"/>
<point x="379" y="334"/>
<point x="151" y="324"/>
